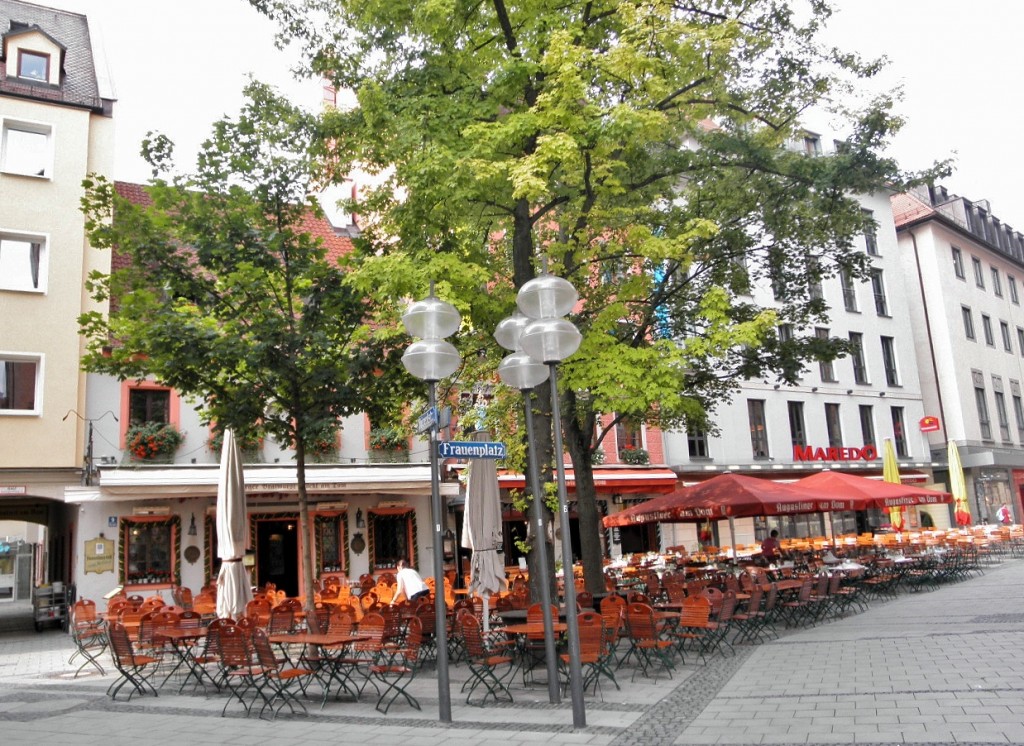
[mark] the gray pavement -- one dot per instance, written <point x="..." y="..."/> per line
<point x="942" y="666"/>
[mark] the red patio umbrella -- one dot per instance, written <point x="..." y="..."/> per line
<point x="730" y="496"/>
<point x="869" y="493"/>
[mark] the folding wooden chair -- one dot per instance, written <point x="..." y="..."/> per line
<point x="135" y="668"/>
<point x="268" y="675"/>
<point x="88" y="634"/>
<point x="395" y="667"/>
<point x="486" y="668"/>
<point x="646" y="641"/>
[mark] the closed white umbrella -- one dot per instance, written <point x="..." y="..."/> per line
<point x="481" y="529"/>
<point x="233" y="582"/>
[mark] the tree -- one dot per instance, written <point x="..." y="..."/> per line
<point x="643" y="147"/>
<point x="224" y="294"/>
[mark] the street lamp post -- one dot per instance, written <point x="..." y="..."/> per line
<point x="522" y="372"/>
<point x="430" y="359"/>
<point x="549" y="339"/>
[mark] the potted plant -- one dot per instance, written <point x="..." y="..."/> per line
<point x="389" y="444"/>
<point x="634" y="455"/>
<point x="324" y="448"/>
<point x="152" y="441"/>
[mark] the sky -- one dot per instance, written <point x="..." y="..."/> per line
<point x="177" y="67"/>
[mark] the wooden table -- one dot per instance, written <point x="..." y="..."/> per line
<point x="183" y="641"/>
<point x="335" y="668"/>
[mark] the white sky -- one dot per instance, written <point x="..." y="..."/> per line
<point x="178" y="66"/>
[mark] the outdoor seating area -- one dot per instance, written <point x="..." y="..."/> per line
<point x="661" y="615"/>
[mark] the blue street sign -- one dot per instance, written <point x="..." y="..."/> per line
<point x="426" y="420"/>
<point x="470" y="449"/>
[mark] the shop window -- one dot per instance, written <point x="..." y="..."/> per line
<point x="21" y="380"/>
<point x="23" y="262"/>
<point x="392" y="536"/>
<point x="26" y="148"/>
<point x="150" y="546"/>
<point x="331" y="543"/>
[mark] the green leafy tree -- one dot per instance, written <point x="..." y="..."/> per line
<point x="643" y="147"/>
<point x="223" y="293"/>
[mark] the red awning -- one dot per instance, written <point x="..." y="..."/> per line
<point x="616" y="481"/>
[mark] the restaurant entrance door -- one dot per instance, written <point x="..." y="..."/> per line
<point x="277" y="554"/>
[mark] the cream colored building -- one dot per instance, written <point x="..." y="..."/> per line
<point x="55" y="128"/>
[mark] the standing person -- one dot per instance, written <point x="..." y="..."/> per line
<point x="410" y="583"/>
<point x="770" y="549"/>
<point x="1004" y="516"/>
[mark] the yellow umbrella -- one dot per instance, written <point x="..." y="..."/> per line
<point x="891" y="474"/>
<point x="958" y="486"/>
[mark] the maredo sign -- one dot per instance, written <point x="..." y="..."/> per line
<point x="810" y="453"/>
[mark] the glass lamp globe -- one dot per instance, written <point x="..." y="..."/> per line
<point x="520" y="371"/>
<point x="431" y="359"/>
<point x="550" y="340"/>
<point x="509" y="329"/>
<point x="547" y="296"/>
<point x="431" y="318"/>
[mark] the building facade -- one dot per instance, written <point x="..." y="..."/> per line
<point x="56" y="127"/>
<point x="964" y="272"/>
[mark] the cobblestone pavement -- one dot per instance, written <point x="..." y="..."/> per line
<point x="941" y="666"/>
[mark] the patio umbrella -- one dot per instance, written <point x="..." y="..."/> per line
<point x="233" y="582"/>
<point x="891" y="474"/>
<point x="481" y="529"/>
<point x="870" y="493"/>
<point x="958" y="486"/>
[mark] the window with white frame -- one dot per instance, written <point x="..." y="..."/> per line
<point x="849" y="291"/>
<point x="1004" y="330"/>
<point x="870" y="232"/>
<point x="892" y="374"/>
<point x="958" y="263"/>
<point x="833" y="425"/>
<point x="860" y="368"/>
<point x="986" y="328"/>
<point x="21" y="383"/>
<point x="997" y="285"/>
<point x="23" y="262"/>
<point x="1011" y="283"/>
<point x="758" y="428"/>
<point x="979" y="272"/>
<point x="26" y="148"/>
<point x="878" y="290"/>
<point x="968" y="322"/>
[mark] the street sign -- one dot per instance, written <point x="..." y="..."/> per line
<point x="470" y="449"/>
<point x="426" y="420"/>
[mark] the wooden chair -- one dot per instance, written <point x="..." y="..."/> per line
<point x="259" y="608"/>
<point x="693" y="626"/>
<point x="88" y="634"/>
<point x="487" y="668"/>
<point x="237" y="671"/>
<point x="395" y="667"/>
<point x="595" y="651"/>
<point x="269" y="675"/>
<point x="645" y="639"/>
<point x="134" y="668"/>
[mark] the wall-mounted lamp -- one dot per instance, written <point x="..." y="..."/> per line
<point x="849" y="391"/>
<point x="360" y="523"/>
<point x="881" y="393"/>
<point x="192" y="530"/>
<point x="813" y="389"/>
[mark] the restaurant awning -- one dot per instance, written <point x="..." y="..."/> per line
<point x="610" y="480"/>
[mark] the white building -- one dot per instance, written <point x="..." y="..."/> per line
<point x="964" y="270"/>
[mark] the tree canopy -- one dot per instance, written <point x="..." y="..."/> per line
<point x="644" y="148"/>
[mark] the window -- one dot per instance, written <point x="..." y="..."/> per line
<point x="1001" y="417"/>
<point x="899" y="432"/>
<point x="1018" y="412"/>
<point x="1011" y="283"/>
<point x="26" y="148"/>
<point x="997" y="286"/>
<point x="958" y="263"/>
<point x="833" y="425"/>
<point x="758" y="430"/>
<point x="23" y="262"/>
<point x="986" y="327"/>
<point x="867" y="424"/>
<point x="331" y="533"/>
<point x="1020" y="339"/>
<point x="892" y="375"/>
<point x="33" y="65"/>
<point x="983" y="420"/>
<point x="392" y="534"/>
<point x="149" y="405"/>
<point x="812" y="145"/>
<point x="849" y="291"/>
<point x="828" y="373"/>
<point x="1004" y="330"/>
<point x="628" y="435"/>
<point x="870" y="233"/>
<point x="151" y="546"/>
<point x="860" y="371"/>
<point x="697" y="443"/>
<point x="797" y="430"/>
<point x="785" y="332"/>
<point x="21" y="382"/>
<point x="979" y="273"/>
<point x="878" y="290"/>
<point x="968" y="322"/>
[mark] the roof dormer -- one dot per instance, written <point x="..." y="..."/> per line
<point x="32" y="55"/>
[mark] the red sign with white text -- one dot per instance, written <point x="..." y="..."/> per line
<point x="810" y="453"/>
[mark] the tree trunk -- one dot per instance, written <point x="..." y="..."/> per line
<point x="306" y="531"/>
<point x="577" y="441"/>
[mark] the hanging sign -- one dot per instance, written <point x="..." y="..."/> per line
<point x="929" y="424"/>
<point x="99" y="555"/>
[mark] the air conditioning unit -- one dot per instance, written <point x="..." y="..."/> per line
<point x="151" y="510"/>
<point x="332" y="506"/>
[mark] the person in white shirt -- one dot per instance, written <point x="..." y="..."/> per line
<point x="409" y="583"/>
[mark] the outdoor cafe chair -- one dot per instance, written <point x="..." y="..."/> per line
<point x="282" y="620"/>
<point x="746" y="620"/>
<point x="395" y="667"/>
<point x="272" y="680"/>
<point x="237" y="671"/>
<point x="595" y="652"/>
<point x="88" y="634"/>
<point x="534" y="645"/>
<point x="650" y="649"/>
<point x="487" y="667"/>
<point x="135" y="668"/>
<point x="694" y="626"/>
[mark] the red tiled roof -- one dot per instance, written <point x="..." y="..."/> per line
<point x="907" y="208"/>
